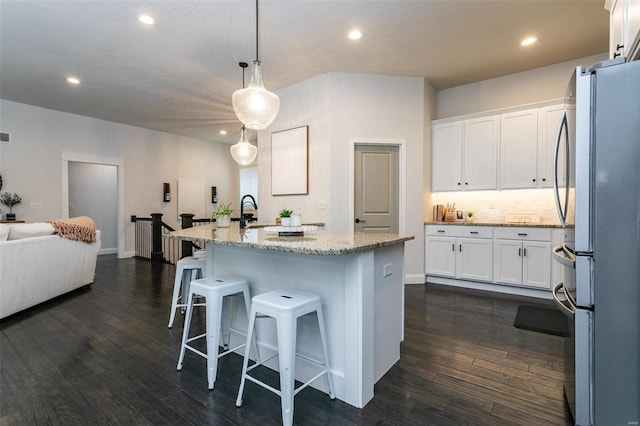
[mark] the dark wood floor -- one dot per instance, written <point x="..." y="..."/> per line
<point x="103" y="355"/>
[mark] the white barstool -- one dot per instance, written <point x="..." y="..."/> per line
<point x="184" y="274"/>
<point x="215" y="290"/>
<point x="286" y="306"/>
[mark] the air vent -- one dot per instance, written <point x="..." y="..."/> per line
<point x="5" y="137"/>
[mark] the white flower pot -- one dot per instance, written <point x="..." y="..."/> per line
<point x="286" y="221"/>
<point x="296" y="220"/>
<point x="223" y="221"/>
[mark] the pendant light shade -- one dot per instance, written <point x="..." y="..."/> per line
<point x="255" y="106"/>
<point x="243" y="152"/>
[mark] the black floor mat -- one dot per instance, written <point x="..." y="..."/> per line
<point x="543" y="320"/>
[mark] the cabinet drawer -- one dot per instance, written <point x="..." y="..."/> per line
<point x="523" y="233"/>
<point x="460" y="231"/>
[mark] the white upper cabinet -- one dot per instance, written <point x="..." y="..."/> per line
<point x="624" y="27"/>
<point x="446" y="157"/>
<point x="464" y="155"/>
<point x="480" y="153"/>
<point x="549" y="119"/>
<point x="519" y="149"/>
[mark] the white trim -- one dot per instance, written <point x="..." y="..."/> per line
<point x="127" y="254"/>
<point x="498" y="288"/>
<point x="107" y="251"/>
<point x="93" y="159"/>
<point x="414" y="279"/>
<point x="402" y="176"/>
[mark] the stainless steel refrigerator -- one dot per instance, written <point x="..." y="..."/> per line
<point x="603" y="363"/>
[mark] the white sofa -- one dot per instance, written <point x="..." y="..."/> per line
<point x="36" y="265"/>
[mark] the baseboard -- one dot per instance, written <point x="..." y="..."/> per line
<point x="127" y="254"/>
<point x="414" y="279"/>
<point x="496" y="288"/>
<point x="107" y="251"/>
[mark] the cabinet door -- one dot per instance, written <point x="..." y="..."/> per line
<point x="480" y="153"/>
<point x="548" y="125"/>
<point x="474" y="257"/>
<point x="617" y="30"/>
<point x="440" y="257"/>
<point x="446" y="157"/>
<point x="507" y="258"/>
<point x="518" y="149"/>
<point x="536" y="266"/>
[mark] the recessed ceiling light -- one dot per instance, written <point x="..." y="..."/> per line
<point x="146" y="19"/>
<point x="223" y="132"/>
<point x="528" y="41"/>
<point x="73" y="80"/>
<point x="355" y="34"/>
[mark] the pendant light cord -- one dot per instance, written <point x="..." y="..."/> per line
<point x="257" y="57"/>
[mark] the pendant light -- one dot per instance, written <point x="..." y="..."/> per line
<point x="255" y="106"/>
<point x="243" y="152"/>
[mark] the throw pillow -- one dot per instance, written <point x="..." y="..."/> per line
<point x="29" y="230"/>
<point x="4" y="232"/>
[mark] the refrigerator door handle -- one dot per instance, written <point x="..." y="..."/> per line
<point x="562" y="213"/>
<point x="564" y="255"/>
<point x="568" y="311"/>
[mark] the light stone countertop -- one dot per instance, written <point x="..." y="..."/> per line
<point x="321" y="243"/>
<point x="526" y="225"/>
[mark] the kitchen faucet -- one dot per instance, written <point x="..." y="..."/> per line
<point x="252" y="201"/>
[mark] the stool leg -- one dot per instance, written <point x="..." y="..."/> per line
<point x="185" y="332"/>
<point x="187" y="275"/>
<point x="176" y="292"/>
<point x="245" y="363"/>
<point x="323" y="339"/>
<point x="224" y="324"/>
<point x="287" y="357"/>
<point x="213" y="337"/>
<point x="247" y="305"/>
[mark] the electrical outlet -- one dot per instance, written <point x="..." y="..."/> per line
<point x="36" y="204"/>
<point x="387" y="270"/>
<point x="323" y="204"/>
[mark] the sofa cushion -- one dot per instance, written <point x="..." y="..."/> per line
<point x="4" y="232"/>
<point x="18" y="231"/>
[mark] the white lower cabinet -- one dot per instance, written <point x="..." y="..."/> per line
<point x="462" y="252"/>
<point x="505" y="255"/>
<point x="522" y="256"/>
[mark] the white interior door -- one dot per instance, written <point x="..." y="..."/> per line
<point x="376" y="188"/>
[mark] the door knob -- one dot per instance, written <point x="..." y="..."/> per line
<point x="358" y="220"/>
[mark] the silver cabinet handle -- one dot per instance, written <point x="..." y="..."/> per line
<point x="568" y="311"/>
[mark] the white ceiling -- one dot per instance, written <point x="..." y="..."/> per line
<point x="178" y="75"/>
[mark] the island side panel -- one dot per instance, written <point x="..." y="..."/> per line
<point x="388" y="278"/>
<point x="268" y="270"/>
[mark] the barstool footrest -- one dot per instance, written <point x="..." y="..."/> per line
<point x="264" y="385"/>
<point x="304" y="385"/>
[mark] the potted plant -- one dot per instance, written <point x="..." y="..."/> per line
<point x="223" y="215"/>
<point x="10" y="200"/>
<point x="469" y="216"/>
<point x="285" y="217"/>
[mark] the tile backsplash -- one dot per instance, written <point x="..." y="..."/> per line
<point x="492" y="206"/>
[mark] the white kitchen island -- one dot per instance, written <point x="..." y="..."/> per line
<point x="359" y="276"/>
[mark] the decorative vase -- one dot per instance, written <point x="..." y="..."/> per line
<point x="296" y="220"/>
<point x="10" y="216"/>
<point x="223" y="221"/>
<point x="286" y="221"/>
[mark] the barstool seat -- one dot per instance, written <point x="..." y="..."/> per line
<point x="184" y="274"/>
<point x="286" y="306"/>
<point x="215" y="291"/>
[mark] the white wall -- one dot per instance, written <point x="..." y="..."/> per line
<point x="31" y="164"/>
<point x="525" y="87"/>
<point x="340" y="107"/>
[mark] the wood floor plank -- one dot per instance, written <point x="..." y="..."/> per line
<point x="104" y="355"/>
